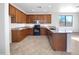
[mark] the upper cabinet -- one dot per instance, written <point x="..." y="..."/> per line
<point x="43" y="18"/>
<point x="12" y="10"/>
<point x="12" y="13"/>
<point x="20" y="17"/>
<point x="17" y="16"/>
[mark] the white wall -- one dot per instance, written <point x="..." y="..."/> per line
<point x="55" y="20"/>
<point x="7" y="28"/>
<point x="76" y="23"/>
<point x="4" y="36"/>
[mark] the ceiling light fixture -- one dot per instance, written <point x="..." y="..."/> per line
<point x="49" y="6"/>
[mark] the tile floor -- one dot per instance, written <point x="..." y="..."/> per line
<point x="39" y="45"/>
<point x="34" y="45"/>
<point x="75" y="44"/>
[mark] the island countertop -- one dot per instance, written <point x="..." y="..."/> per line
<point x="66" y="30"/>
<point x="60" y="31"/>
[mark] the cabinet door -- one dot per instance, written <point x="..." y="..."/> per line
<point x="49" y="19"/>
<point x="30" y="30"/>
<point x="59" y="41"/>
<point x="44" y="19"/>
<point x="24" y="33"/>
<point x="12" y="13"/>
<point x="50" y="38"/>
<point x="27" y="19"/>
<point x="16" y="36"/>
<point x="31" y="18"/>
<point x="18" y="16"/>
<point x="43" y="31"/>
<point x="41" y="19"/>
<point x="12" y="10"/>
<point x="23" y="18"/>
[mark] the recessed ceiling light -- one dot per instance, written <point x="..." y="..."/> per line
<point x="49" y="6"/>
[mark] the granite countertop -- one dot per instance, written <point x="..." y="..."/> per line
<point x="21" y="28"/>
<point x="54" y="31"/>
<point x="60" y="31"/>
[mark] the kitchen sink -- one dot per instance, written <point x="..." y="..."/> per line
<point x="52" y="28"/>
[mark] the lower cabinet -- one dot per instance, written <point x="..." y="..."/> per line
<point x="43" y="31"/>
<point x="18" y="35"/>
<point x="58" y="41"/>
<point x="30" y="31"/>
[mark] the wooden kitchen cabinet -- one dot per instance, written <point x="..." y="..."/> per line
<point x="49" y="35"/>
<point x="43" y="31"/>
<point x="19" y="35"/>
<point x="20" y="17"/>
<point x="12" y="13"/>
<point x="43" y="18"/>
<point x="23" y="17"/>
<point x="32" y="18"/>
<point x="28" y="19"/>
<point x="17" y="16"/>
<point x="16" y="36"/>
<point x="48" y="19"/>
<point x="59" y="41"/>
<point x="30" y="30"/>
<point x="12" y="10"/>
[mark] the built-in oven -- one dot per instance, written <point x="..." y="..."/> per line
<point x="36" y="30"/>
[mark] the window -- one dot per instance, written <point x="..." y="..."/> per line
<point x="66" y="20"/>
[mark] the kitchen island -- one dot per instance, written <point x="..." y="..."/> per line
<point x="60" y="40"/>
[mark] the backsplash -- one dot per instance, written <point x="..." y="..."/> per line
<point x="15" y="25"/>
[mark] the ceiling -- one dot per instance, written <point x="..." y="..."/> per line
<point x="47" y="7"/>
